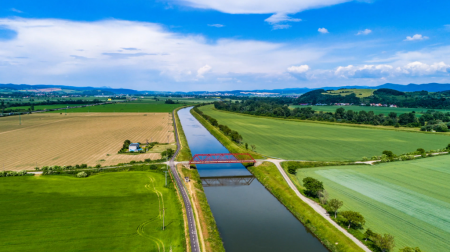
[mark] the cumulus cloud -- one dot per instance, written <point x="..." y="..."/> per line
<point x="384" y="70"/>
<point x="70" y="52"/>
<point x="216" y="25"/>
<point x="202" y="70"/>
<point x="416" y="37"/>
<point x="298" y="69"/>
<point x="364" y="32"/>
<point x="323" y="30"/>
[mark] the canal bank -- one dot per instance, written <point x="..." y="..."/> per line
<point x="249" y="217"/>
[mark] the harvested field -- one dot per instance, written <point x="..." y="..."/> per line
<point x="78" y="138"/>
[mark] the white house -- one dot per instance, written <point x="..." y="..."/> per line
<point x="133" y="147"/>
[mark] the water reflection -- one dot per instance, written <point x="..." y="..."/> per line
<point x="227" y="181"/>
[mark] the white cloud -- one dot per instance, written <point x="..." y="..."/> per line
<point x="416" y="37"/>
<point x="202" y="70"/>
<point x="16" y="10"/>
<point x="298" y="69"/>
<point x="364" y="32"/>
<point x="323" y="30"/>
<point x="260" y="6"/>
<point x="281" y="17"/>
<point x="216" y="25"/>
<point x="384" y="70"/>
<point x="89" y="53"/>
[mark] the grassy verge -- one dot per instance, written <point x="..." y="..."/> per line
<point x="210" y="233"/>
<point x="332" y="238"/>
<point x="226" y="141"/>
<point x="185" y="153"/>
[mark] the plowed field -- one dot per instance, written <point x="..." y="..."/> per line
<point x="78" y="138"/>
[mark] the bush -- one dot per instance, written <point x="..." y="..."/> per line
<point x="82" y="174"/>
<point x="365" y="159"/>
<point x="98" y="166"/>
<point x="147" y="160"/>
<point x="153" y="167"/>
<point x="292" y="170"/>
<point x="313" y="186"/>
<point x="397" y="125"/>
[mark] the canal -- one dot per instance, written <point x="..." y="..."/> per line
<point x="249" y="218"/>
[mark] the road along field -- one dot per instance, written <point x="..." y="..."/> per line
<point x="296" y="140"/>
<point x="114" y="211"/>
<point x="409" y="199"/>
<point x="48" y="139"/>
<point x="376" y="110"/>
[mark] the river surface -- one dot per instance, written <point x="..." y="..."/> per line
<point x="249" y="218"/>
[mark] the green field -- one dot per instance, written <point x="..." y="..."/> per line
<point x="361" y="93"/>
<point x="116" y="211"/>
<point x="376" y="110"/>
<point x="127" y="107"/>
<point x="42" y="107"/>
<point x="409" y="199"/>
<point x="322" y="142"/>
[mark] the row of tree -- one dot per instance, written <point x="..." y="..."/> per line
<point x="353" y="220"/>
<point x="234" y="135"/>
<point x="431" y="120"/>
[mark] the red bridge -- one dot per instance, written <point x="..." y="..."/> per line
<point x="222" y="158"/>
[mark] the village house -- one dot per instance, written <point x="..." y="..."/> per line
<point x="134" y="147"/>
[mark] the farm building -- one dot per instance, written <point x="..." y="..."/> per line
<point x="134" y="147"/>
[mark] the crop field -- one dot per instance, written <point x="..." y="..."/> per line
<point x="47" y="139"/>
<point x="113" y="211"/>
<point x="322" y="142"/>
<point x="376" y="110"/>
<point x="361" y="93"/>
<point x="42" y="107"/>
<point x="126" y="107"/>
<point x="409" y="199"/>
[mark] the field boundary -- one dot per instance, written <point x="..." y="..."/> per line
<point x="402" y="129"/>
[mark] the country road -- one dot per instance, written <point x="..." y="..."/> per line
<point x="187" y="203"/>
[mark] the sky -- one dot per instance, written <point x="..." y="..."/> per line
<point x="191" y="45"/>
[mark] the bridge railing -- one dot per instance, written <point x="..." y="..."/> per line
<point x="222" y="158"/>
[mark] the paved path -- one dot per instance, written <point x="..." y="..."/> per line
<point x="315" y="206"/>
<point x="187" y="203"/>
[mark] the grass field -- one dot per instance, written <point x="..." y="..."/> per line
<point x="361" y="93"/>
<point x="126" y="107"/>
<point x="42" y="107"/>
<point x="376" y="110"/>
<point x="322" y="142"/>
<point x="117" y="211"/>
<point x="91" y="138"/>
<point x="409" y="200"/>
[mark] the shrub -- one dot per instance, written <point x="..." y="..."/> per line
<point x="153" y="167"/>
<point x="147" y="160"/>
<point x="420" y="150"/>
<point x="292" y="170"/>
<point x="365" y="159"/>
<point x="132" y="162"/>
<point x="397" y="125"/>
<point x="98" y="166"/>
<point x="313" y="186"/>
<point x="82" y="174"/>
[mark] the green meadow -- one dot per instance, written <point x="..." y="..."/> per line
<point x="408" y="199"/>
<point x="114" y="211"/>
<point x="376" y="110"/>
<point x="297" y="140"/>
<point x="127" y="107"/>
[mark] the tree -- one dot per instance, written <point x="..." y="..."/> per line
<point x="368" y="234"/>
<point x="292" y="170"/>
<point x="421" y="151"/>
<point x="389" y="154"/>
<point x="353" y="218"/>
<point x="246" y="146"/>
<point x="384" y="242"/>
<point x="168" y="153"/>
<point x="254" y="147"/>
<point x="409" y="249"/>
<point x="312" y="185"/>
<point x="335" y="205"/>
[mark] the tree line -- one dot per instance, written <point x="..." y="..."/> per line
<point x="431" y="121"/>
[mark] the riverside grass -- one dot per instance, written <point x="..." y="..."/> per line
<point x="331" y="237"/>
<point x="210" y="232"/>
<point x="113" y="211"/>
<point x="304" y="140"/>
<point x="185" y="152"/>
<point x="408" y="199"/>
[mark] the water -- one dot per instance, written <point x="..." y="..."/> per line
<point x="249" y="218"/>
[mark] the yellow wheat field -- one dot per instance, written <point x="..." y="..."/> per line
<point x="78" y="138"/>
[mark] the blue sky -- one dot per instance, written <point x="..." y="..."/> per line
<point x="223" y="45"/>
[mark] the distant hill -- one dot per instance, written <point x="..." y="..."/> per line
<point x="430" y="87"/>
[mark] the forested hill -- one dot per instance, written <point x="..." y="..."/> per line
<point x="419" y="99"/>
